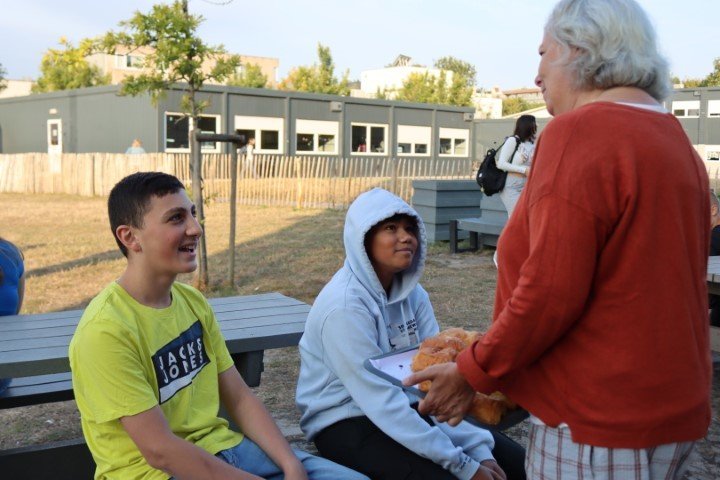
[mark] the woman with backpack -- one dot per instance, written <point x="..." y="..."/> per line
<point x="515" y="157"/>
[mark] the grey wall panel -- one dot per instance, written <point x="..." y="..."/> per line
<point x="355" y="113"/>
<point x="107" y="122"/>
<point x="260" y="106"/>
<point x="23" y="122"/>
<point x="713" y="131"/>
<point x="312" y="110"/>
<point x="409" y="116"/>
<point x="173" y="100"/>
<point x="452" y="120"/>
<point x="690" y="125"/>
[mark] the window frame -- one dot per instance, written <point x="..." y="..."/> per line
<point x="368" y="135"/>
<point x="259" y="125"/>
<point x="685" y="106"/>
<point x="122" y="61"/>
<point x="713" y="109"/>
<point x="216" y="149"/>
<point x="412" y="133"/>
<point x="316" y="128"/>
<point x="453" y="134"/>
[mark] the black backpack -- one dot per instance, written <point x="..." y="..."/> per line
<point x="490" y="178"/>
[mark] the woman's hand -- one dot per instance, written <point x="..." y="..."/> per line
<point x="450" y="396"/>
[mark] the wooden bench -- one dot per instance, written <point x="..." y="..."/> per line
<point x="57" y="387"/>
<point x="36" y="346"/>
<point x="54" y="387"/>
<point x="482" y="232"/>
<point x="484" y="229"/>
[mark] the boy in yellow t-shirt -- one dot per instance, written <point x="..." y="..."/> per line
<point x="150" y="366"/>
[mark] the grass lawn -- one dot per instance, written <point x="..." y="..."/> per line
<point x="70" y="255"/>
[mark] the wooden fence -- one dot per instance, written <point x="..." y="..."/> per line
<point x="300" y="181"/>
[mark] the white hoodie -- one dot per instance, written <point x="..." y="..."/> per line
<point x="353" y="319"/>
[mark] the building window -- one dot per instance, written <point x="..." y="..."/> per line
<point x="686" y="108"/>
<point x="316" y="136"/>
<point x="454" y="142"/>
<point x="209" y="124"/>
<point x="268" y="132"/>
<point x="713" y="108"/>
<point x="177" y="131"/>
<point x="413" y="140"/>
<point x="132" y="61"/>
<point x="368" y="138"/>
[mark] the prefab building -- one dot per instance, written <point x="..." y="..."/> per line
<point x="99" y="119"/>
<point x="697" y="110"/>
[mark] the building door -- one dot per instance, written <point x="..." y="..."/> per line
<point x="54" y="141"/>
<point x="54" y="135"/>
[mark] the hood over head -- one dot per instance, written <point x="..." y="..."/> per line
<point x="369" y="209"/>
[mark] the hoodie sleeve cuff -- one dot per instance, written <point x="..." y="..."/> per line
<point x="468" y="468"/>
<point x="481" y="453"/>
<point x="473" y="374"/>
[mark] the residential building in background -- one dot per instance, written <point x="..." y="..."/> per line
<point x="16" y="88"/>
<point x="127" y="62"/>
<point x="390" y="79"/>
<point x="532" y="94"/>
<point x="488" y="103"/>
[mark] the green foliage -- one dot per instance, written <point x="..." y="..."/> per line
<point x="250" y="77"/>
<point x="3" y="82"/>
<point x="318" y="78"/>
<point x="427" y="88"/>
<point x="711" y="80"/>
<point x="176" y="54"/>
<point x="459" y="68"/>
<point x="66" y="68"/>
<point x="516" y="105"/>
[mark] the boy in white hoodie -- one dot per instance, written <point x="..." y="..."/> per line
<point x="374" y="305"/>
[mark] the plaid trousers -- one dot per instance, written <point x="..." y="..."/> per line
<point x="552" y="455"/>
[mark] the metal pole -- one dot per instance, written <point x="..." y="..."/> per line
<point x="233" y="210"/>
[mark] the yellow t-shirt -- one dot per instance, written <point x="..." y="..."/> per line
<point x="127" y="358"/>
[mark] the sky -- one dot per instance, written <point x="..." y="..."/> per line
<point x="499" y="37"/>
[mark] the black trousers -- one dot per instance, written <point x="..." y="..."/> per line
<point x="358" y="444"/>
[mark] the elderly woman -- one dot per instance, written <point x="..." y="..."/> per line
<point x="600" y="324"/>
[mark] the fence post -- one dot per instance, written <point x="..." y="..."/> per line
<point x="394" y="166"/>
<point x="298" y="176"/>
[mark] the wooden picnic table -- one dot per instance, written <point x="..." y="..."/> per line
<point x="38" y="344"/>
<point x="34" y="352"/>
<point x="713" y="284"/>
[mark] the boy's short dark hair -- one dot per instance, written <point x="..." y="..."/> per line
<point x="130" y="197"/>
